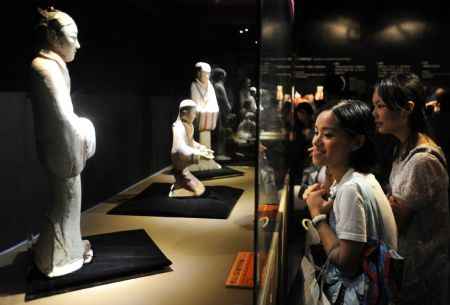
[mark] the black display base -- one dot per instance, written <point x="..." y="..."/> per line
<point x="224" y="172"/>
<point x="216" y="202"/>
<point x="117" y="256"/>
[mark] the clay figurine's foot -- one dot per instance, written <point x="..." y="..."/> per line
<point x="176" y="191"/>
<point x="88" y="254"/>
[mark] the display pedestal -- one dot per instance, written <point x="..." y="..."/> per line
<point x="215" y="202"/>
<point x="224" y="172"/>
<point x="202" y="250"/>
<point x="117" y="256"/>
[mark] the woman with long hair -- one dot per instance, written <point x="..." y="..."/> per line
<point x="418" y="189"/>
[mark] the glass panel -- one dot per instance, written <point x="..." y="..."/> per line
<point x="274" y="132"/>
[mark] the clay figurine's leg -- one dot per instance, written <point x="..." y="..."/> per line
<point x="60" y="249"/>
<point x="186" y="185"/>
<point x="205" y="138"/>
<point x="221" y="152"/>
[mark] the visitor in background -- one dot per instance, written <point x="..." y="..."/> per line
<point x="418" y="189"/>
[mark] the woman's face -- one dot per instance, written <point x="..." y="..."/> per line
<point x="386" y="120"/>
<point x="303" y="117"/>
<point x="67" y="44"/>
<point x="331" y="144"/>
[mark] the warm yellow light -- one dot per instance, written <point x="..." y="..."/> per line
<point x="402" y="31"/>
<point x="279" y="93"/>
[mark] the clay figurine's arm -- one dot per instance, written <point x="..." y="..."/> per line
<point x="66" y="140"/>
<point x="197" y="145"/>
<point x="212" y="99"/>
<point x="182" y="154"/>
<point x="222" y="99"/>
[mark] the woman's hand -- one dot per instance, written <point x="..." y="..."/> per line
<point x="313" y="196"/>
<point x="402" y="213"/>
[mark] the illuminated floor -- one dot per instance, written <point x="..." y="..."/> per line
<point x="202" y="252"/>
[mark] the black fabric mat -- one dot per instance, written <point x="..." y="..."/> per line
<point x="216" y="202"/>
<point x="117" y="256"/>
<point x="224" y="172"/>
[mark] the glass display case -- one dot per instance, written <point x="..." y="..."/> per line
<point x="333" y="51"/>
<point x="129" y="83"/>
<point x="275" y="138"/>
<point x="135" y="65"/>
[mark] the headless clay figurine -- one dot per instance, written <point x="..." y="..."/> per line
<point x="202" y="93"/>
<point x="64" y="143"/>
<point x="186" y="151"/>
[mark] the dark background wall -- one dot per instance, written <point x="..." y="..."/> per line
<point x="365" y="40"/>
<point x="135" y="65"/>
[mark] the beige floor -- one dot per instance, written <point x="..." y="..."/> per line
<point x="201" y="250"/>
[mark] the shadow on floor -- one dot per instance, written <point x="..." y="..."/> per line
<point x="13" y="276"/>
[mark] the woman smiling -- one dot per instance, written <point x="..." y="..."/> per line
<point x="358" y="208"/>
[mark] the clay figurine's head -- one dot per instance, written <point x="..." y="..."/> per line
<point x="247" y="83"/>
<point x="56" y="31"/>
<point x="203" y="71"/>
<point x="188" y="111"/>
<point x="218" y="74"/>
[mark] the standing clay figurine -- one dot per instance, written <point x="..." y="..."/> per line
<point x="186" y="151"/>
<point x="64" y="143"/>
<point x="218" y="77"/>
<point x="203" y="94"/>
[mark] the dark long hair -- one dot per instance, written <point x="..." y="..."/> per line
<point x="355" y="118"/>
<point x="309" y="111"/>
<point x="396" y="91"/>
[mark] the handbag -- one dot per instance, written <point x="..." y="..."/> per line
<point x="312" y="259"/>
<point x="313" y="290"/>
<point x="383" y="267"/>
<point x="314" y="250"/>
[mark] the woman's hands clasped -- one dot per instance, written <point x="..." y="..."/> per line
<point x="317" y="199"/>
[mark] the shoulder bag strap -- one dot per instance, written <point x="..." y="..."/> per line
<point x="371" y="206"/>
<point x="430" y="151"/>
